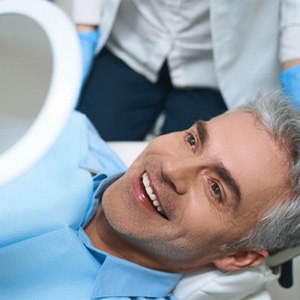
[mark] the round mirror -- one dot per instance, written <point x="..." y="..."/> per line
<point x="40" y="78"/>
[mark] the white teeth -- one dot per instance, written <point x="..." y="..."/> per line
<point x="156" y="203"/>
<point x="146" y="181"/>
<point x="152" y="197"/>
<point x="149" y="190"/>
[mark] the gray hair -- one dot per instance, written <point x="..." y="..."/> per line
<point x="279" y="227"/>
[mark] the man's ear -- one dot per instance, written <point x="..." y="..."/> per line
<point x="241" y="259"/>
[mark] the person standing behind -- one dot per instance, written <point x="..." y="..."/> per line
<point x="184" y="58"/>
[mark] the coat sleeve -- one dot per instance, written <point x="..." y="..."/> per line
<point x="289" y="30"/>
<point x="87" y="12"/>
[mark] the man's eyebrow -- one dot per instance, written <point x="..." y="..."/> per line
<point x="202" y="131"/>
<point x="219" y="169"/>
<point x="229" y="180"/>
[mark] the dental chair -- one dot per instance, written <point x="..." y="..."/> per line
<point x="40" y="78"/>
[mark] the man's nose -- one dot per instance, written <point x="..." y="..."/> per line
<point x="180" y="173"/>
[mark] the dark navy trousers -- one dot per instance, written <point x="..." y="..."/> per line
<point x="124" y="105"/>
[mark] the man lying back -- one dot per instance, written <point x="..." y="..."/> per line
<point x="223" y="193"/>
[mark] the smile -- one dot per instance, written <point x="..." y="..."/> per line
<point x="151" y="194"/>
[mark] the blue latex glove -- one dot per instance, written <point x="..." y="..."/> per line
<point x="88" y="41"/>
<point x="290" y="83"/>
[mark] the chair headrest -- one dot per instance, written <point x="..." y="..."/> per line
<point x="282" y="256"/>
<point x="283" y="260"/>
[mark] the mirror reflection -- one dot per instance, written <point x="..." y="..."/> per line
<point x="25" y="76"/>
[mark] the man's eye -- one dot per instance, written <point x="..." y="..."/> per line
<point x="216" y="191"/>
<point x="191" y="141"/>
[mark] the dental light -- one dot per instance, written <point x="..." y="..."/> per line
<point x="40" y="77"/>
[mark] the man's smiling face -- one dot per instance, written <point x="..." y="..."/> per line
<point x="190" y="192"/>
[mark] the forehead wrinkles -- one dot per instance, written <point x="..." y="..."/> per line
<point x="285" y="150"/>
<point x="279" y="187"/>
<point x="289" y="157"/>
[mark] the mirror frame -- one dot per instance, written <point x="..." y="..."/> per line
<point x="63" y="90"/>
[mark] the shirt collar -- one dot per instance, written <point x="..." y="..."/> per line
<point x="121" y="278"/>
<point x="100" y="183"/>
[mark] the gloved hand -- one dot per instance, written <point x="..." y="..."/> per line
<point x="88" y="41"/>
<point x="290" y="83"/>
